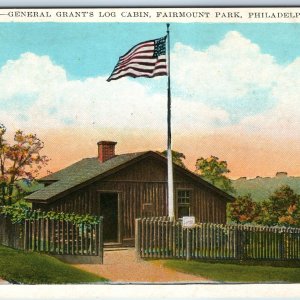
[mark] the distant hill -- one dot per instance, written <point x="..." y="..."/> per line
<point x="261" y="187"/>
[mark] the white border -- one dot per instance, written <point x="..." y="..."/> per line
<point x="152" y="292"/>
<point x="144" y="3"/>
<point x="178" y="291"/>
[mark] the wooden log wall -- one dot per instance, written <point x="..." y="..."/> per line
<point x="142" y="191"/>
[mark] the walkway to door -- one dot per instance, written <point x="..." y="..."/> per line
<point x="3" y="281"/>
<point x="123" y="266"/>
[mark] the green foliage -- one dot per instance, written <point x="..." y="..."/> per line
<point x="282" y="208"/>
<point x="177" y="157"/>
<point x="36" y="268"/>
<point x="235" y="271"/>
<point x="213" y="170"/>
<point x="20" y="213"/>
<point x="243" y="210"/>
<point x="20" y="160"/>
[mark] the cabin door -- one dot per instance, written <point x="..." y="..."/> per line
<point x="109" y="209"/>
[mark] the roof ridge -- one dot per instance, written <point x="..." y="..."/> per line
<point x="126" y="153"/>
<point x="87" y="169"/>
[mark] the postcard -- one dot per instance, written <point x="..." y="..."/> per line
<point x="150" y="149"/>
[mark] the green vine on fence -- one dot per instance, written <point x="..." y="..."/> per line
<point x="20" y="213"/>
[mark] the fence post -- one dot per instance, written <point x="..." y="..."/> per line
<point x="188" y="244"/>
<point x="238" y="243"/>
<point x="101" y="240"/>
<point x="26" y="235"/>
<point x="282" y="245"/>
<point x="138" y="237"/>
<point x="242" y="238"/>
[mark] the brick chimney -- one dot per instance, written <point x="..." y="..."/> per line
<point x="106" y="150"/>
<point x="281" y="174"/>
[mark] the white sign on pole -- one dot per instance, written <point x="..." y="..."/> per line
<point x="188" y="222"/>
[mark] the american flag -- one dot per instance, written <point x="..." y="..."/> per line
<point x="146" y="59"/>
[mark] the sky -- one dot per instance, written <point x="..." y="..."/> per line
<point x="235" y="92"/>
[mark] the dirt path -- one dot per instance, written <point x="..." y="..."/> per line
<point x="3" y="282"/>
<point x="123" y="266"/>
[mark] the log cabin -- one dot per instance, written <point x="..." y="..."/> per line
<point x="124" y="187"/>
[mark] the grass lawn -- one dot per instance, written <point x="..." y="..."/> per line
<point x="239" y="272"/>
<point x="35" y="268"/>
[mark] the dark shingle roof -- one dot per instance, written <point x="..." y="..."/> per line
<point x="78" y="173"/>
<point x="89" y="169"/>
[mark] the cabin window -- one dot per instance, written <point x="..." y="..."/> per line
<point x="183" y="203"/>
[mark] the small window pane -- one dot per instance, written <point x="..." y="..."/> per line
<point x="183" y="197"/>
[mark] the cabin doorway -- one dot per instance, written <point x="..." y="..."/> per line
<point x="109" y="209"/>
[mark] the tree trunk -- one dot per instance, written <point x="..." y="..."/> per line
<point x="3" y="186"/>
<point x="9" y="194"/>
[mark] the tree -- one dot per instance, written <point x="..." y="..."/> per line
<point x="177" y="157"/>
<point x="213" y="170"/>
<point x="20" y="160"/>
<point x="243" y="210"/>
<point x="282" y="208"/>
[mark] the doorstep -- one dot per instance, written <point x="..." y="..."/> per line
<point x="112" y="245"/>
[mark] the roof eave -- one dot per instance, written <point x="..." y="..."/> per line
<point x="197" y="178"/>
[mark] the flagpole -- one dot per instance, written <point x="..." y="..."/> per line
<point x="169" y="148"/>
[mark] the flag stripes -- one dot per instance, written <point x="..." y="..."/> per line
<point x="146" y="59"/>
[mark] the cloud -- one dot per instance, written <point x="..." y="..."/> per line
<point x="233" y="67"/>
<point x="30" y="74"/>
<point x="231" y="85"/>
<point x="259" y="95"/>
<point x="38" y="94"/>
<point x="283" y="118"/>
<point x="232" y="75"/>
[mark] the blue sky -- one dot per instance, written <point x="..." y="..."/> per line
<point x="92" y="49"/>
<point x="237" y="80"/>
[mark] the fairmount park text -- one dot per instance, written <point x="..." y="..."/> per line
<point x="152" y="14"/>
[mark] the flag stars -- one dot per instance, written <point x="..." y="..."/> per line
<point x="159" y="47"/>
